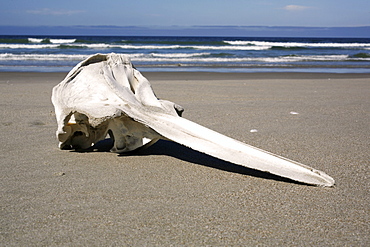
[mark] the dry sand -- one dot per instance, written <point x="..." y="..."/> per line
<point x="170" y="195"/>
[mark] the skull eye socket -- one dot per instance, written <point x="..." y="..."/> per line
<point x="78" y="133"/>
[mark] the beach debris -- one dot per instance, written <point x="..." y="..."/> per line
<point x="104" y="95"/>
<point x="59" y="174"/>
<point x="293" y="113"/>
<point x="253" y="131"/>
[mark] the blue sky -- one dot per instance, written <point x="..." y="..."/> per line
<point x="314" y="13"/>
<point x="148" y="17"/>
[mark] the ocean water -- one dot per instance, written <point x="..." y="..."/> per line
<point x="214" y="54"/>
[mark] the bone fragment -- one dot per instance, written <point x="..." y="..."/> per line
<point x="105" y="95"/>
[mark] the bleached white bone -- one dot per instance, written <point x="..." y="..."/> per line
<point x="105" y="94"/>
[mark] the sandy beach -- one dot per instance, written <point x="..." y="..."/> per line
<point x="169" y="195"/>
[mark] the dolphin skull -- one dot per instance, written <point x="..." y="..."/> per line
<point x="105" y="95"/>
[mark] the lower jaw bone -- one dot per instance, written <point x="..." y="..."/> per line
<point x="105" y="94"/>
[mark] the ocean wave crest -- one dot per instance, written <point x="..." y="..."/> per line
<point x="185" y="57"/>
<point x="53" y="41"/>
<point x="179" y="55"/>
<point x="40" y="45"/>
<point x="41" y="57"/>
<point x="297" y="44"/>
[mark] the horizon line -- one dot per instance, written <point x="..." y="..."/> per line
<point x="194" y="30"/>
<point x="166" y="26"/>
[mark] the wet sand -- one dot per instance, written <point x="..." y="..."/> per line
<point x="170" y="195"/>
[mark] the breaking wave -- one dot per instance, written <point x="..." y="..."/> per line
<point x="66" y="51"/>
<point x="298" y="44"/>
<point x="67" y="45"/>
<point x="188" y="57"/>
<point x="53" y="41"/>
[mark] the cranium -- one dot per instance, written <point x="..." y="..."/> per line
<point x="105" y="95"/>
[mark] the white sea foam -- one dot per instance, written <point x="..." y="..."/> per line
<point x="34" y="40"/>
<point x="182" y="57"/>
<point x="148" y="47"/>
<point x="50" y="46"/>
<point x="179" y="55"/>
<point x="195" y="47"/>
<point x="309" y="58"/>
<point x="62" y="41"/>
<point x="92" y="46"/>
<point x="295" y="44"/>
<point x="281" y="59"/>
<point x="293" y="53"/>
<point x="39" y="45"/>
<point x="54" y="41"/>
<point x="28" y="46"/>
<point x="41" y="57"/>
<point x="234" y="45"/>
